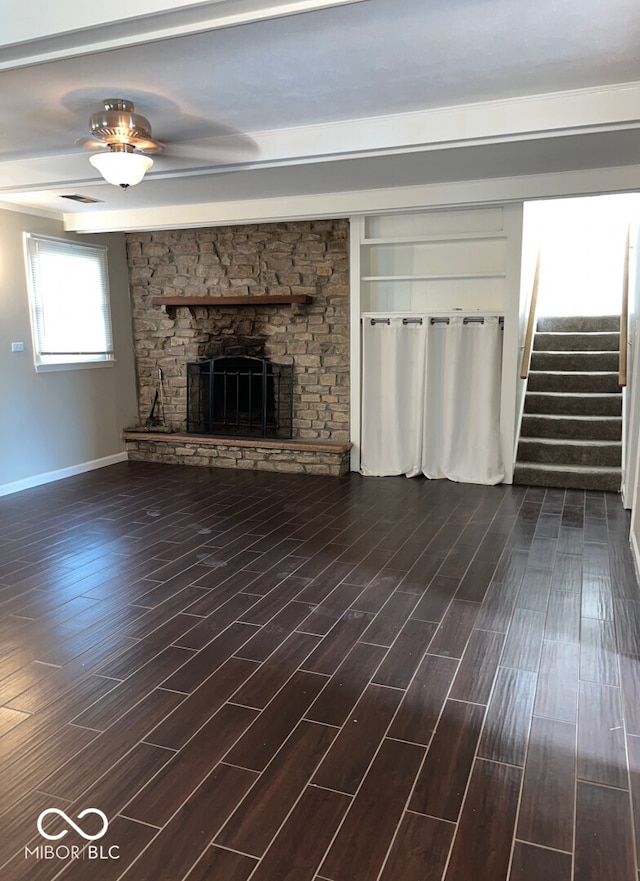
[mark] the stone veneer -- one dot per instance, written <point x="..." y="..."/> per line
<point x="303" y="257"/>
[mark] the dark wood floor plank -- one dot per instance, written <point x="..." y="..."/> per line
<point x="523" y="645"/>
<point x="548" y="793"/>
<point x="420" y="850"/>
<point x="347" y="761"/>
<point x="160" y="798"/>
<point x="627" y="618"/>
<point x="630" y="681"/>
<point x="224" y="864"/>
<point x="272" y="634"/>
<point x="567" y="573"/>
<point x="270" y="676"/>
<point x="535" y="863"/>
<point x="488" y="818"/>
<point x="180" y="725"/>
<point x="390" y="619"/>
<point x="497" y="607"/>
<point x="300" y="845"/>
<point x="597" y="597"/>
<point x="361" y="845"/>
<point x="557" y="692"/>
<point x="332" y="650"/>
<point x="563" y="617"/>
<point x="436" y="599"/>
<point x="260" y="743"/>
<point x="345" y="687"/>
<point x="423" y="701"/>
<point x="475" y="581"/>
<point x="109" y="747"/>
<point x="405" y="654"/>
<point x="189" y="832"/>
<point x="126" y="694"/>
<point x="633" y="752"/>
<point x="256" y="821"/>
<point x="535" y="589"/>
<point x="442" y="781"/>
<point x="604" y="849"/>
<point x="455" y="629"/>
<point x="478" y="666"/>
<point x="203" y="663"/>
<point x="506" y="728"/>
<point x="598" y="652"/>
<point x="601" y="744"/>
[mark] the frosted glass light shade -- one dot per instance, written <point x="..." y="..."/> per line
<point x="121" y="169"/>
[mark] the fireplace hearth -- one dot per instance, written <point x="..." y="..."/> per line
<point x="240" y="396"/>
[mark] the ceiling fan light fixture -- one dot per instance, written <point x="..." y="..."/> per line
<point x="121" y="166"/>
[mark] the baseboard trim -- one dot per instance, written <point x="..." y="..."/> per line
<point x="51" y="476"/>
<point x="635" y="550"/>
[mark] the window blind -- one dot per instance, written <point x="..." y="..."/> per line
<point x="69" y="289"/>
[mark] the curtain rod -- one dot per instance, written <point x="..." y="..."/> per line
<point x="466" y="320"/>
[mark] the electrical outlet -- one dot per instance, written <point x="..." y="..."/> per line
<point x="17" y="347"/>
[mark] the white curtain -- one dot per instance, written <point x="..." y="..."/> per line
<point x="393" y="386"/>
<point x="431" y="399"/>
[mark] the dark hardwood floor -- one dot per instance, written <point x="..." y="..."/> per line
<point x="290" y="678"/>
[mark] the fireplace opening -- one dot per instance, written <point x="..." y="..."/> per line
<point x="240" y="396"/>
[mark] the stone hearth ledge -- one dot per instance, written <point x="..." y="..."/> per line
<point x="301" y="456"/>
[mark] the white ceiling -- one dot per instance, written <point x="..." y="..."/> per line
<point x="361" y="96"/>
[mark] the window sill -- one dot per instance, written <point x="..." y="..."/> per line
<point x="77" y="365"/>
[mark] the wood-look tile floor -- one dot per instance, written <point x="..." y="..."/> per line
<point x="294" y="678"/>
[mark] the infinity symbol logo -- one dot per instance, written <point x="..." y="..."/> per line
<point x="72" y="824"/>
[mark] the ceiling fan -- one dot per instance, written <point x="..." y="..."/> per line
<point x="125" y="138"/>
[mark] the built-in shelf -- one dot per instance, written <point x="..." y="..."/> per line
<point x="190" y="302"/>
<point x="438" y="277"/>
<point x="437" y="239"/>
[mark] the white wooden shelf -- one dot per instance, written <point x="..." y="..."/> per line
<point x="452" y="237"/>
<point x="441" y="277"/>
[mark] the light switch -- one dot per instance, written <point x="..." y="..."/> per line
<point x="17" y="347"/>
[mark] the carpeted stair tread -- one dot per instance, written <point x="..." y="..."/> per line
<point x="576" y="342"/>
<point x="579" y="323"/>
<point x="576" y="403"/>
<point x="571" y="427"/>
<point x="564" y="451"/>
<point x="574" y="381"/>
<point x="568" y="476"/>
<point x="570" y="361"/>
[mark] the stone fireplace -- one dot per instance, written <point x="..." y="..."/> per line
<point x="271" y="291"/>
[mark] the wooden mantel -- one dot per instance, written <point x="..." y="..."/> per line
<point x="190" y="302"/>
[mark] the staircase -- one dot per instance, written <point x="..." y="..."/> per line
<point x="571" y="432"/>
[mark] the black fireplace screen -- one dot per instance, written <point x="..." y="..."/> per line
<point x="241" y="396"/>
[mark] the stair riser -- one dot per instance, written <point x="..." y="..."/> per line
<point x="579" y="324"/>
<point x="565" y="480"/>
<point x="602" y="405"/>
<point x="590" y="429"/>
<point x="578" y="361"/>
<point x="598" y="383"/>
<point x="576" y="342"/>
<point x="609" y="456"/>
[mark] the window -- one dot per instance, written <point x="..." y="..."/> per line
<point x="69" y="296"/>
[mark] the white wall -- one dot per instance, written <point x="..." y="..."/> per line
<point x="55" y="424"/>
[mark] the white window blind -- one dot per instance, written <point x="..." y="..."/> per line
<point x="70" y="309"/>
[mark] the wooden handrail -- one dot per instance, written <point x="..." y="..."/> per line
<point x="624" y="316"/>
<point x="531" y="323"/>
